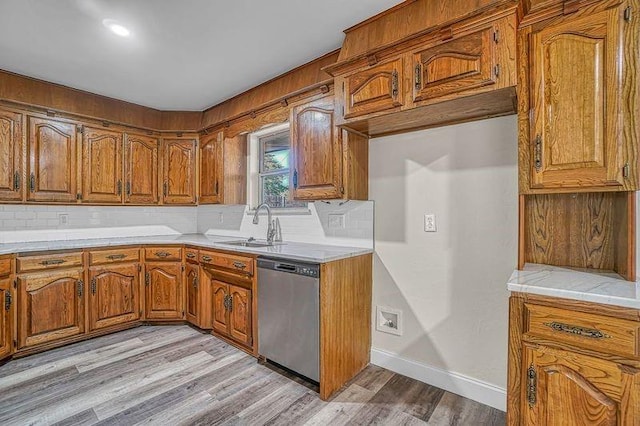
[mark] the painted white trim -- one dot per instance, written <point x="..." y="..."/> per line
<point x="459" y="384"/>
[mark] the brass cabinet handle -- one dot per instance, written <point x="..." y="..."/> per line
<point x="52" y="262"/>
<point x="116" y="256"/>
<point x="195" y="282"/>
<point x="147" y="278"/>
<point x="119" y="185"/>
<point x="165" y="189"/>
<point x="239" y="265"/>
<point x="7" y="300"/>
<point x="538" y="153"/>
<point x="532" y="385"/>
<point x="418" y="77"/>
<point x="207" y="258"/>
<point x="80" y="284"/>
<point x="16" y="181"/>
<point x="32" y="182"/>
<point x="394" y="84"/>
<point x="191" y="255"/>
<point x="228" y="302"/>
<point x="591" y="333"/>
<point x="93" y="286"/>
<point x="128" y="189"/>
<point x="295" y="179"/>
<point x="162" y="254"/>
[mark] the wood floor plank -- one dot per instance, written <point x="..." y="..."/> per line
<point x="174" y="375"/>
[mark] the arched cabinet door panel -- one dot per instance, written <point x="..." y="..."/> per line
<point x="141" y="169"/>
<point x="11" y="170"/>
<point x="102" y="166"/>
<point x="164" y="291"/>
<point x="179" y="171"/>
<point x="113" y="295"/>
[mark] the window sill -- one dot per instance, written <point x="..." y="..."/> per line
<point x="293" y="211"/>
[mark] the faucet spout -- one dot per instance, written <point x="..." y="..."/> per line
<point x="271" y="231"/>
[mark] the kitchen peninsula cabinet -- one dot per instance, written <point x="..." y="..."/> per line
<point x="578" y="130"/>
<point x="102" y="166"/>
<point x="114" y="287"/>
<point x="53" y="165"/>
<point x="179" y="171"/>
<point x="11" y="169"/>
<point x="141" y="169"/>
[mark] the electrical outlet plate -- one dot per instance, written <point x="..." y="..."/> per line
<point x="336" y="220"/>
<point x="430" y="222"/>
<point x="389" y="320"/>
<point x="63" y="219"/>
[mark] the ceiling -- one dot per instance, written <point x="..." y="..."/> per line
<point x="181" y="54"/>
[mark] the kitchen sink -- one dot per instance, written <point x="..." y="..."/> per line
<point x="247" y="243"/>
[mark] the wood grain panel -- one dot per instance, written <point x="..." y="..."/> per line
<point x="163" y="253"/>
<point x="345" y="321"/>
<point x="7" y="299"/>
<point x="194" y="303"/>
<point x="220" y="315"/>
<point x="577" y="230"/>
<point x="11" y="157"/>
<point x="179" y="171"/>
<point x="211" y="168"/>
<point x="119" y="255"/>
<point x="48" y="261"/>
<point x="374" y="89"/>
<point x="355" y="165"/>
<point x="6" y="266"/>
<point x="234" y="182"/>
<point x="236" y="263"/>
<point x="113" y="295"/>
<point x="102" y="166"/>
<point x="51" y="306"/>
<point x="515" y="378"/>
<point x="141" y="169"/>
<point x="53" y="161"/>
<point x="240" y="315"/>
<point x="164" y="291"/>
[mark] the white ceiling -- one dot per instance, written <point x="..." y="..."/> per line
<point x="182" y="54"/>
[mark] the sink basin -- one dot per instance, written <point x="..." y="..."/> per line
<point x="246" y="243"/>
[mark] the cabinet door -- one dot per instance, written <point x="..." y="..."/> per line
<point x="220" y="317"/>
<point x="11" y="178"/>
<point x="461" y="64"/>
<point x="53" y="161"/>
<point x="317" y="154"/>
<point x="179" y="186"/>
<point x="374" y="89"/>
<point x="211" y="169"/>
<point x="564" y="388"/>
<point x="575" y="118"/>
<point x="141" y="170"/>
<point x="7" y="309"/>
<point x="113" y="295"/>
<point x="193" y="293"/>
<point x="102" y="162"/>
<point x="240" y="315"/>
<point x="164" y="300"/>
<point x="51" y="307"/>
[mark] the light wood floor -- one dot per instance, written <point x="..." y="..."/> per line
<point x="175" y="375"/>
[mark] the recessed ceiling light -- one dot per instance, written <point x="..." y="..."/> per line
<point x="116" y="28"/>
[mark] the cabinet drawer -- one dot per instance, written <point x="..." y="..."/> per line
<point x="5" y="267"/>
<point x="233" y="262"/>
<point x="98" y="257"/>
<point x="589" y="331"/>
<point x="191" y="255"/>
<point x="49" y="261"/>
<point x="163" y="253"/>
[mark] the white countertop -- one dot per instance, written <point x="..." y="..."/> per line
<point x="305" y="252"/>
<point x="554" y="281"/>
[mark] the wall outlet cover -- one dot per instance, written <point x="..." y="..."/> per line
<point x="430" y="223"/>
<point x="336" y="221"/>
<point x="389" y="320"/>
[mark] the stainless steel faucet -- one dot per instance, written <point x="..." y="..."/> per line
<point x="271" y="229"/>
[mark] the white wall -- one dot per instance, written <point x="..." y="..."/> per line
<point x="450" y="285"/>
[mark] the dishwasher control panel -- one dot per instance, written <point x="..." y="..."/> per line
<point x="306" y="269"/>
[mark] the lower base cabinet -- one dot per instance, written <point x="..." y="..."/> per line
<point x="113" y="295"/>
<point x="232" y="307"/>
<point x="7" y="309"/>
<point x="51" y="306"/>
<point x="164" y="291"/>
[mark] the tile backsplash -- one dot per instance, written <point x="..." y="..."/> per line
<point x="326" y="222"/>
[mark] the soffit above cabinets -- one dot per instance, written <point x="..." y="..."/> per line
<point x="186" y="55"/>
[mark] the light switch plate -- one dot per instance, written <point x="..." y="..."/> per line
<point x="430" y="223"/>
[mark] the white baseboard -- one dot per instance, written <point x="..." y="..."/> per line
<point x="459" y="384"/>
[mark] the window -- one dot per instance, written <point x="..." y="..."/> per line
<point x="273" y="149"/>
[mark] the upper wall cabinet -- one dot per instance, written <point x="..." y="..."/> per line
<point x="53" y="165"/>
<point x="317" y="154"/>
<point x="141" y="169"/>
<point x="102" y="166"/>
<point x="179" y="171"/>
<point x="458" y="71"/>
<point x="210" y="168"/>
<point x="223" y="169"/>
<point x="11" y="170"/>
<point x="576" y="131"/>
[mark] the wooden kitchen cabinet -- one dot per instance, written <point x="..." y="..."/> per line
<point x="11" y="168"/>
<point x="223" y="169"/>
<point x="141" y="169"/>
<point x="198" y="306"/>
<point x="164" y="298"/>
<point x="316" y="151"/>
<point x="232" y="312"/>
<point x="113" y="295"/>
<point x="374" y="89"/>
<point x="7" y="312"/>
<point x="53" y="166"/>
<point x="577" y="130"/>
<point x="50" y="306"/>
<point x="102" y="166"/>
<point x="211" y="166"/>
<point x="179" y="171"/>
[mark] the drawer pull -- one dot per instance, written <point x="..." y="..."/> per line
<point x="580" y="331"/>
<point x="532" y="385"/>
<point x="53" y="262"/>
<point x="207" y="258"/>
<point x="239" y="265"/>
<point x="162" y="254"/>
<point x="116" y="256"/>
<point x="191" y="255"/>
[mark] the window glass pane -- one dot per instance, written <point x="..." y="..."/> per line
<point x="275" y="152"/>
<point x="275" y="191"/>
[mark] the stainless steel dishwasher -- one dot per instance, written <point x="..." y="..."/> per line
<point x="289" y="315"/>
